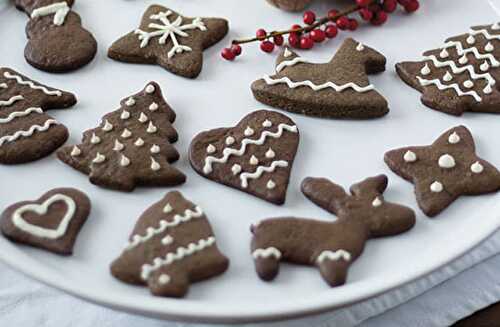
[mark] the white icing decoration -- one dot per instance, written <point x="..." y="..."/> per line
<point x="270" y="153"/>
<point x="29" y="132"/>
<point x="12" y="100"/>
<point x="315" y="87"/>
<point x="124" y="161"/>
<point x="253" y="160"/>
<point x="155" y="166"/>
<point x="453" y="138"/>
<point x="471" y="39"/>
<point x="75" y="152"/>
<point x="164" y="279"/>
<point x="59" y="9"/>
<point x="489" y="47"/>
<point x="485" y="66"/>
<point x="377" y="202"/>
<point x="444" y="53"/>
<point x="495" y="26"/>
<point x="143" y="118"/>
<point x="42" y="209"/>
<point x="125" y="115"/>
<point x="410" y="156"/>
<point x="150" y="89"/>
<point x="230" y="140"/>
<point x="447" y="77"/>
<point x="260" y="170"/>
<point x="267" y="253"/>
<point x="236" y="169"/>
<point x="469" y="84"/>
<point x="446" y="161"/>
<point x="287" y="63"/>
<point x="139" y="142"/>
<point x="167" y="240"/>
<point x="425" y="70"/>
<point x="118" y="146"/>
<point x="153" y="106"/>
<point x="441" y="86"/>
<point x="488" y="89"/>
<point x="248" y="131"/>
<point x="126" y="133"/>
<point x="107" y="126"/>
<point x="169" y="30"/>
<point x="267" y="123"/>
<point x="207" y="169"/>
<point x="168" y="208"/>
<point x="211" y="148"/>
<point x="32" y="85"/>
<point x="485" y="33"/>
<point x="271" y="184"/>
<point x="95" y="139"/>
<point x="334" y="255"/>
<point x="476" y="168"/>
<point x="151" y="128"/>
<point x="99" y="158"/>
<point x="436" y="187"/>
<point x="287" y="53"/>
<point x="462" y="52"/>
<point x="3" y="86"/>
<point x="180" y="253"/>
<point x="17" y="114"/>
<point x="155" y="149"/>
<point x="130" y="102"/>
<point x="360" y="47"/>
<point x="463" y="60"/>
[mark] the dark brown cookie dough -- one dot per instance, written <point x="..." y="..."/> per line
<point x="330" y="246"/>
<point x="26" y="132"/>
<point x="57" y="42"/>
<point x="170" y="40"/>
<point x="444" y="170"/>
<point x="337" y="89"/>
<point x="255" y="156"/>
<point x="52" y="222"/>
<point x="171" y="246"/>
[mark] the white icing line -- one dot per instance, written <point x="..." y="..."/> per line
<point x="461" y="51"/>
<point x="17" y="114"/>
<point x="441" y="86"/>
<point x="60" y="9"/>
<point x="31" y="84"/>
<point x="334" y="255"/>
<point x="486" y="34"/>
<point x="3" y="86"/>
<point x="287" y="63"/>
<point x="29" y="132"/>
<point x="207" y="169"/>
<point x="12" y="100"/>
<point x="267" y="253"/>
<point x="260" y="170"/>
<point x="315" y="87"/>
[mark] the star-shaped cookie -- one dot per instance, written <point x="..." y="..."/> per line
<point x="170" y="40"/>
<point x="444" y="170"/>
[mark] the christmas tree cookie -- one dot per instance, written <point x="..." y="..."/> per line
<point x="171" y="246"/>
<point x="461" y="75"/>
<point x="337" y="89"/>
<point x="132" y="146"/>
<point x="170" y="40"/>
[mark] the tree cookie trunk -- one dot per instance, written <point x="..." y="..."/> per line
<point x="290" y="5"/>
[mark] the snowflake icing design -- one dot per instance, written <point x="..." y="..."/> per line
<point x="169" y="30"/>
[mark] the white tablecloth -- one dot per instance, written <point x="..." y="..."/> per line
<point x="455" y="291"/>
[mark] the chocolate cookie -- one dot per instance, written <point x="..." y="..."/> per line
<point x="171" y="246"/>
<point x="330" y="246"/>
<point x="460" y="76"/>
<point x="337" y="89"/>
<point x="57" y="42"/>
<point x="132" y="146"/>
<point x="52" y="222"/>
<point x="444" y="170"/>
<point x="170" y="40"/>
<point x="255" y="156"/>
<point x="26" y="132"/>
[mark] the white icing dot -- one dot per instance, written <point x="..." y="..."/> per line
<point x="125" y="115"/>
<point x="107" y="126"/>
<point x="211" y="148"/>
<point x="154" y="164"/>
<point x="155" y="149"/>
<point x="168" y="208"/>
<point x="489" y="47"/>
<point x="124" y="161"/>
<point x="126" y="133"/>
<point x="454" y="138"/>
<point x="236" y="169"/>
<point x="287" y="53"/>
<point x="249" y="131"/>
<point x="410" y="156"/>
<point x="139" y="142"/>
<point x="254" y="161"/>
<point x="130" y="102"/>
<point x="471" y="40"/>
<point x="377" y="202"/>
<point x="271" y="184"/>
<point x="360" y="47"/>
<point x="495" y="26"/>
<point x="270" y="153"/>
<point x="463" y="60"/>
<point x="267" y="123"/>
<point x="444" y="53"/>
<point x="143" y="118"/>
<point x="153" y="106"/>
<point x="230" y="140"/>
<point x="476" y="168"/>
<point x="468" y="84"/>
<point x="118" y="146"/>
<point x="99" y="158"/>
<point x="150" y="89"/>
<point x="485" y="66"/>
<point x="151" y="128"/>
<point x="446" y="161"/>
<point x="436" y="187"/>
<point x="425" y="70"/>
<point x="95" y="139"/>
<point x="488" y="89"/>
<point x="167" y="240"/>
<point x="164" y="279"/>
<point x="76" y="151"/>
<point x="447" y="77"/>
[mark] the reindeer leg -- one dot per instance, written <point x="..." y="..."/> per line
<point x="168" y="282"/>
<point x="267" y="262"/>
<point x="333" y="266"/>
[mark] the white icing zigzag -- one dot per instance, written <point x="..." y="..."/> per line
<point x="335" y="87"/>
<point x="11" y="101"/>
<point x="31" y="84"/>
<point x="441" y="86"/>
<point x="461" y="51"/>
<point x="29" y="132"/>
<point x="227" y="152"/>
<point x="267" y="253"/>
<point x="178" y="255"/>
<point x="334" y="255"/>
<point x="486" y="34"/>
<point x="260" y="170"/>
<point x="286" y="63"/>
<point x="164" y="225"/>
<point x="16" y="114"/>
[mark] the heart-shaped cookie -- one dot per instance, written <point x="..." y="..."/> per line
<point x="255" y="156"/>
<point x="52" y="222"/>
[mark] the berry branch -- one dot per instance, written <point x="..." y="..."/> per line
<point x="317" y="30"/>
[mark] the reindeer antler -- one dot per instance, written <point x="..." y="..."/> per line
<point x="376" y="184"/>
<point x="324" y="193"/>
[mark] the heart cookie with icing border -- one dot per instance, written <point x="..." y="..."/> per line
<point x="52" y="222"/>
<point x="255" y="156"/>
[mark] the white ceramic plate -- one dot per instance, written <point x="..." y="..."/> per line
<point x="345" y="151"/>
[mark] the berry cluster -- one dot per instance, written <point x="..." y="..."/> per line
<point x="316" y="30"/>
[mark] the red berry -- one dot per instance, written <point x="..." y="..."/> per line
<point x="343" y="23"/>
<point x="236" y="49"/>
<point x="294" y="40"/>
<point x="332" y="14"/>
<point x="261" y="33"/>
<point x="380" y="18"/>
<point x="375" y="7"/>
<point x="353" y="24"/>
<point x="366" y="14"/>
<point x="363" y="3"/>
<point x="278" y="40"/>
<point x="309" y="17"/>
<point x="317" y="35"/>
<point x="403" y="2"/>
<point x="296" y="27"/>
<point x="389" y="6"/>
<point x="331" y="31"/>
<point x="267" y="46"/>
<point x="412" y="6"/>
<point x="306" y="42"/>
<point x="227" y="54"/>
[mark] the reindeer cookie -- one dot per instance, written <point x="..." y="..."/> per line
<point x="330" y="246"/>
<point x="57" y="42"/>
<point x="170" y="40"/>
<point x="460" y="76"/>
<point x="445" y="170"/>
<point x="338" y="89"/>
<point x="172" y="246"/>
